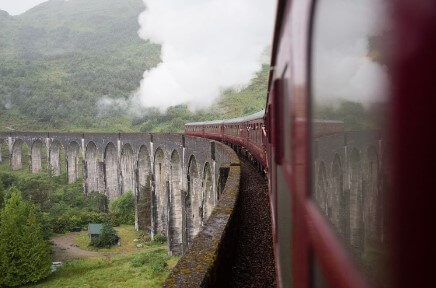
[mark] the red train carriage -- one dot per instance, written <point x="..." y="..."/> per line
<point x="248" y="132"/>
<point x="349" y="160"/>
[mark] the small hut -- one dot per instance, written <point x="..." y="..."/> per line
<point x="94" y="230"/>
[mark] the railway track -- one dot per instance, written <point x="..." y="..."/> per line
<point x="253" y="263"/>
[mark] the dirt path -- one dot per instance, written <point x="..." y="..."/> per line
<point x="64" y="248"/>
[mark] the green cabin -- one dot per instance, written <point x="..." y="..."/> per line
<point x="94" y="230"/>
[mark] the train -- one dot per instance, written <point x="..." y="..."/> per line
<point x="356" y="220"/>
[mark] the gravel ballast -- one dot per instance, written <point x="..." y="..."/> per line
<point x="253" y="264"/>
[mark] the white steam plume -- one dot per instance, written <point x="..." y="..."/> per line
<point x="207" y="46"/>
<point x="342" y="67"/>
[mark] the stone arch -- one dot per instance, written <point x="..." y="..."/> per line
<point x="38" y="155"/>
<point x="175" y="209"/>
<point x="208" y="193"/>
<point x="74" y="161"/>
<point x="321" y="195"/>
<point x="91" y="168"/>
<point x="144" y="190"/>
<point x="19" y="152"/>
<point x="357" y="231"/>
<point x="55" y="155"/>
<point x="193" y="201"/>
<point x="111" y="171"/>
<point x="127" y="169"/>
<point x="371" y="196"/>
<point x="160" y="192"/>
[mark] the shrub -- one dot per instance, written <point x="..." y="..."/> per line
<point x="96" y="201"/>
<point x="8" y="179"/>
<point x="159" y="238"/>
<point x="71" y="195"/>
<point x="113" y="220"/>
<point x="123" y="208"/>
<point x="73" y="217"/>
<point x="156" y="260"/>
<point x="37" y="188"/>
<point x="107" y="238"/>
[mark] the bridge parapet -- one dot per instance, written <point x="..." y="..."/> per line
<point x="209" y="253"/>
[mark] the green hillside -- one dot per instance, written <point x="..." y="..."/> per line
<point x="59" y="58"/>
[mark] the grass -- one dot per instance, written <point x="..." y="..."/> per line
<point x="146" y="269"/>
<point x="127" y="234"/>
<point x="148" y="266"/>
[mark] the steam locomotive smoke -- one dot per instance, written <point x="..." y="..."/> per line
<point x="344" y="69"/>
<point x="207" y="46"/>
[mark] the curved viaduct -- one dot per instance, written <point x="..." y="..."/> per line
<point x="176" y="180"/>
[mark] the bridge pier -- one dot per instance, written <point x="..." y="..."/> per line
<point x="36" y="157"/>
<point x="73" y="153"/>
<point x="143" y="217"/>
<point x="175" y="205"/>
<point x="55" y="159"/>
<point x="127" y="170"/>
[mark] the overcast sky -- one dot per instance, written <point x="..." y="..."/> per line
<point x="15" y="7"/>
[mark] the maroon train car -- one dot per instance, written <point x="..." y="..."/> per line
<point x="350" y="206"/>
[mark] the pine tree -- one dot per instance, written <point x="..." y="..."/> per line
<point x="24" y="255"/>
<point x="13" y="218"/>
<point x="35" y="250"/>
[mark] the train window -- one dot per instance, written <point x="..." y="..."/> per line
<point x="349" y="98"/>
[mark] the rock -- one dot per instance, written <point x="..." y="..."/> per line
<point x="139" y="245"/>
<point x="55" y="266"/>
<point x="135" y="240"/>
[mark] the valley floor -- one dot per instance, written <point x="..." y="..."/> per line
<point x="120" y="266"/>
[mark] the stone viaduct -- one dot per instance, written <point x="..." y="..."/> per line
<point x="176" y="180"/>
<point x="180" y="181"/>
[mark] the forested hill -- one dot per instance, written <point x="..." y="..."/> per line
<point x="59" y="58"/>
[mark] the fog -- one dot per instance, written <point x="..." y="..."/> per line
<point x="207" y="46"/>
<point x="16" y="7"/>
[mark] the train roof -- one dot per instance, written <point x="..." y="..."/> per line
<point x="250" y="117"/>
<point x="257" y="115"/>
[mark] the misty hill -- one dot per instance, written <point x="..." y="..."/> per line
<point x="59" y="58"/>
